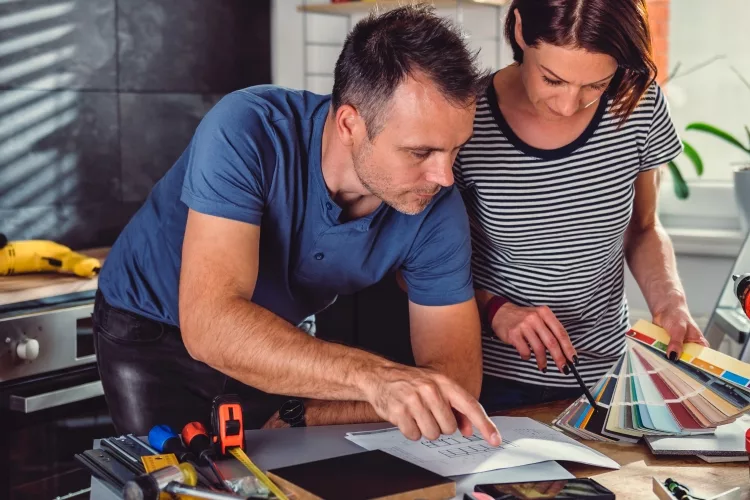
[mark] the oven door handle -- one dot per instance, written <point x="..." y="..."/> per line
<point x="44" y="401"/>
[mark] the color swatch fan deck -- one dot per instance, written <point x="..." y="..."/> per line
<point x="647" y="394"/>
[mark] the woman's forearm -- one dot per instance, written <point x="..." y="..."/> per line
<point x="651" y="258"/>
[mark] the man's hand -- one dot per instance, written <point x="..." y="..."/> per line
<point x="675" y="318"/>
<point x="421" y="402"/>
<point x="275" y="423"/>
<point x="534" y="329"/>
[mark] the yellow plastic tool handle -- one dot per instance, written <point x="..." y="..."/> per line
<point x="81" y="265"/>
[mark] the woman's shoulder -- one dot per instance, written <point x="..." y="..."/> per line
<point x="651" y="99"/>
<point x="649" y="106"/>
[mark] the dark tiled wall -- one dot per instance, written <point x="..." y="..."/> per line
<point x="99" y="97"/>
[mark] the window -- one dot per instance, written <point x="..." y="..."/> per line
<point x="707" y="43"/>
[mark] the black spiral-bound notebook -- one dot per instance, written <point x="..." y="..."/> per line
<point x="371" y="475"/>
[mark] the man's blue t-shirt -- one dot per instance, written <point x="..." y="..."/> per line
<point x="256" y="158"/>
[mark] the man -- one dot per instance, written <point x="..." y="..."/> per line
<point x="283" y="200"/>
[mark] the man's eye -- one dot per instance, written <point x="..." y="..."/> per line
<point x="419" y="155"/>
<point x="554" y="83"/>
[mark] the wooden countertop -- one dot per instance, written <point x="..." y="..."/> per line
<point x="27" y="287"/>
<point x="638" y="465"/>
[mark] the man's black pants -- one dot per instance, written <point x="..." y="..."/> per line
<point x="150" y="379"/>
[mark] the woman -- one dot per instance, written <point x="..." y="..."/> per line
<point x="560" y="181"/>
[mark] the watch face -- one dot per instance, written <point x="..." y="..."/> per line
<point x="292" y="411"/>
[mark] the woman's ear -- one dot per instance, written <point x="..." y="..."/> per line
<point x="518" y="31"/>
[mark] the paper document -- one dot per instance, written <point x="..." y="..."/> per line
<point x="525" y="441"/>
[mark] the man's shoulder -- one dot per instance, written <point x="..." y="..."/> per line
<point x="437" y="267"/>
<point x="270" y="103"/>
<point x="445" y="212"/>
<point x="448" y="200"/>
<point x="257" y="122"/>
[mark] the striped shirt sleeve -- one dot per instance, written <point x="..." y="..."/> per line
<point x="662" y="142"/>
<point x="458" y="176"/>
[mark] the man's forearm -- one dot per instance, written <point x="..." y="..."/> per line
<point x="253" y="345"/>
<point x="652" y="262"/>
<point x="318" y="412"/>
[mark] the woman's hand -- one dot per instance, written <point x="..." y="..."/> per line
<point x="680" y="326"/>
<point x="534" y="329"/>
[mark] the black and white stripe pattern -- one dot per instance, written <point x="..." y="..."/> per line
<point x="548" y="226"/>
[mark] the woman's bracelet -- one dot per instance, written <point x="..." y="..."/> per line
<point x="492" y="306"/>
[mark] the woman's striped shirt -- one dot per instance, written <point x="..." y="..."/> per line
<point x="548" y="226"/>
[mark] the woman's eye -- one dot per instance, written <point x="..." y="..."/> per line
<point x="554" y="83"/>
<point x="600" y="87"/>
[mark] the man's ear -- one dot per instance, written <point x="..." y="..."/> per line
<point x="349" y="125"/>
<point x="518" y="31"/>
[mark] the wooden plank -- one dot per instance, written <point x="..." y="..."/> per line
<point x="348" y="8"/>
<point x="26" y="287"/>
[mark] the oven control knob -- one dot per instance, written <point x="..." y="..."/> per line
<point x="28" y="349"/>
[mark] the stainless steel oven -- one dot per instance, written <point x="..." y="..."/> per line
<point x="51" y="398"/>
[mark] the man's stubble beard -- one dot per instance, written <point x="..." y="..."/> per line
<point x="371" y="178"/>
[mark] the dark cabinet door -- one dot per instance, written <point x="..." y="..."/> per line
<point x="37" y="448"/>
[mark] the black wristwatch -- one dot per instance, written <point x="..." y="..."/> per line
<point x="292" y="412"/>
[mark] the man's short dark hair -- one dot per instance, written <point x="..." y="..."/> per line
<point x="383" y="50"/>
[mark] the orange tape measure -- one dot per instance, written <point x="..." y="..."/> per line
<point x="228" y="427"/>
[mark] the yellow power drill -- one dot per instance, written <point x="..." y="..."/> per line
<point x="37" y="256"/>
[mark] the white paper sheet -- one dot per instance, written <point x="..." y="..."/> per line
<point x="525" y="441"/>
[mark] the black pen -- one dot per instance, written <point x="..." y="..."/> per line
<point x="583" y="386"/>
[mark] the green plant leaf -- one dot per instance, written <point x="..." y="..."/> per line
<point x="748" y="136"/>
<point x="691" y="153"/>
<point x="680" y="186"/>
<point x="717" y="132"/>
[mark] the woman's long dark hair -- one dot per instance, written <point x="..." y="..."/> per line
<point x="618" y="28"/>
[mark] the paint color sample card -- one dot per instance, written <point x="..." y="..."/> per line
<point x="706" y="359"/>
<point x="727" y="441"/>
<point x="645" y="394"/>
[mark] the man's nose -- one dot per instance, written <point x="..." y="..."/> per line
<point x="442" y="173"/>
